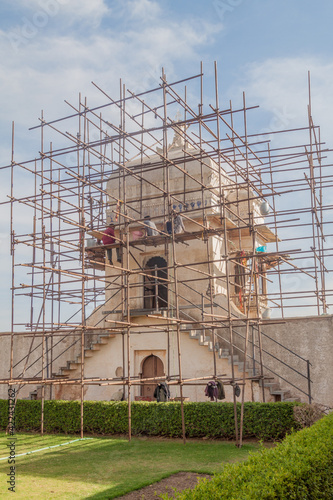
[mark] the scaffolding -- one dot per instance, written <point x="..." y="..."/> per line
<point x="163" y="152"/>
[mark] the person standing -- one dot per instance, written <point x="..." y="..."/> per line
<point x="150" y="227"/>
<point x="109" y="239"/>
<point x="178" y="224"/>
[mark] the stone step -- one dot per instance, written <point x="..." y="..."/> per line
<point x="95" y="346"/>
<point x="73" y="365"/>
<point x="88" y="353"/>
<point x="66" y="372"/>
<point x="271" y="385"/>
<point x="202" y="340"/>
<point x="223" y="352"/>
<point x="103" y="340"/>
<point x="283" y="394"/>
<point x="194" y="334"/>
<point x="236" y="359"/>
<point x="57" y="375"/>
<point x="211" y="347"/>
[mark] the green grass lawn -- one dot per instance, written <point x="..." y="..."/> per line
<point x="106" y="467"/>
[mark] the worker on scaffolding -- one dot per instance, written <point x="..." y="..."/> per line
<point x="109" y="239"/>
<point x="150" y="227"/>
<point x="178" y="223"/>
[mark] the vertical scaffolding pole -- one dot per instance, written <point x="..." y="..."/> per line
<point x="12" y="252"/>
<point x="44" y="270"/>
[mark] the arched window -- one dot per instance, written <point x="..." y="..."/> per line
<point x="155" y="290"/>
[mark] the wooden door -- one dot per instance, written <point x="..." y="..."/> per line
<point x="152" y="367"/>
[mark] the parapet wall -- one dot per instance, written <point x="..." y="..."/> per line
<point x="311" y="337"/>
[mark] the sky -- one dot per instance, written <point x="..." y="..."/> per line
<point x="53" y="49"/>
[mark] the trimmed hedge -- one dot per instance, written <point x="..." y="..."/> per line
<point x="301" y="467"/>
<point x="269" y="421"/>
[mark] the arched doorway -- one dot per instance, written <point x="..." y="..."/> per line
<point x="155" y="289"/>
<point x="152" y="366"/>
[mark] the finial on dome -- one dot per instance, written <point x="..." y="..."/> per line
<point x="179" y="130"/>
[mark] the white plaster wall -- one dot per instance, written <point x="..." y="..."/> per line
<point x="21" y="348"/>
<point x="154" y="182"/>
<point x="197" y="361"/>
<point x="311" y="338"/>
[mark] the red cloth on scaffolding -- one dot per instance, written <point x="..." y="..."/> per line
<point x="107" y="236"/>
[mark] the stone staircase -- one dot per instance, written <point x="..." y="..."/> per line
<point x="72" y="365"/>
<point x="271" y="384"/>
<point x="94" y="345"/>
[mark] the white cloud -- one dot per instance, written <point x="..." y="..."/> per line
<point x="49" y="68"/>
<point x="83" y="9"/>
<point x="144" y="10"/>
<point x="37" y="14"/>
<point x="280" y="86"/>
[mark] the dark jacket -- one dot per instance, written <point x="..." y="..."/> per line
<point x="220" y="390"/>
<point x="162" y="392"/>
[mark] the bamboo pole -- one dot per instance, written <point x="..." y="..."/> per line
<point x="68" y="194"/>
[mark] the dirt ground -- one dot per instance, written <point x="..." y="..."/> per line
<point x="180" y="481"/>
